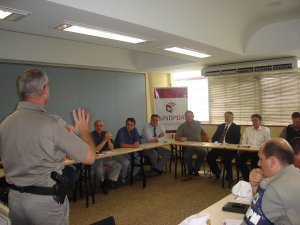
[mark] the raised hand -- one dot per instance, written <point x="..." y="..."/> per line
<point x="81" y="120"/>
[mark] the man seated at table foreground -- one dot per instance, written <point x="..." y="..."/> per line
<point x="127" y="137"/>
<point x="153" y="133"/>
<point x="276" y="184"/>
<point x="191" y="130"/>
<point x="109" y="166"/>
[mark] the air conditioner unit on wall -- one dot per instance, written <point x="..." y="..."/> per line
<point x="268" y="65"/>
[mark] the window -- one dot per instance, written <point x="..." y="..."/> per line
<point x="275" y="97"/>
<point x="197" y="92"/>
<point x="280" y="97"/>
<point x="239" y="95"/>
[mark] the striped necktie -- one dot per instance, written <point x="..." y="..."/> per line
<point x="221" y="140"/>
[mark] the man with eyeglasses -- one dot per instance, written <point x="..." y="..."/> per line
<point x="226" y="133"/>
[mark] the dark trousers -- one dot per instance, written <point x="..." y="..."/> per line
<point x="226" y="155"/>
<point x="188" y="154"/>
<point x="241" y="162"/>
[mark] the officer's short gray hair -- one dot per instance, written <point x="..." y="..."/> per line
<point x="31" y="83"/>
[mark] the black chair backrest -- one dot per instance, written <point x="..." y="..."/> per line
<point x="107" y="221"/>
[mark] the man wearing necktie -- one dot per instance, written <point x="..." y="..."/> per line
<point x="155" y="132"/>
<point x="227" y="132"/>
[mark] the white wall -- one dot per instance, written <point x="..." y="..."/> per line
<point x="33" y="48"/>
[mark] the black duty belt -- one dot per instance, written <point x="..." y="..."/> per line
<point x="33" y="189"/>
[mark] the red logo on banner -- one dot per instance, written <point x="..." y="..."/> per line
<point x="170" y="107"/>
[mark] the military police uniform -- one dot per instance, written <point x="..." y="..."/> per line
<point x="34" y="143"/>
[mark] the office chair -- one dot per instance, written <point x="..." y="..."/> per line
<point x="106" y="221"/>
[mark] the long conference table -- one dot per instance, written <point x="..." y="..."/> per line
<point x="178" y="147"/>
<point x="219" y="217"/>
<point x="167" y="142"/>
<point x="130" y="151"/>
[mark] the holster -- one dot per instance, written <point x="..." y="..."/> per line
<point x="59" y="193"/>
<point x="60" y="188"/>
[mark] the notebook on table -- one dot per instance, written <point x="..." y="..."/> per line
<point x="235" y="207"/>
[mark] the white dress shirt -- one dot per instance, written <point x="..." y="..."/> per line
<point x="148" y="133"/>
<point x="255" y="137"/>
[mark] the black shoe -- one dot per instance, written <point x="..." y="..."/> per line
<point x="114" y="185"/>
<point x="104" y="187"/>
<point x="190" y="173"/>
<point x="196" y="174"/>
<point x="159" y="172"/>
<point x="111" y="184"/>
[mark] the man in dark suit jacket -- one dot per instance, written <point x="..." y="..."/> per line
<point x="227" y="132"/>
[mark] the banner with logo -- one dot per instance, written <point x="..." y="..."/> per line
<point x="170" y="105"/>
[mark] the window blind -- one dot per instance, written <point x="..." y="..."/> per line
<point x="275" y="97"/>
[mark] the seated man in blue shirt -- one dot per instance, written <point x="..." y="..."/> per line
<point x="127" y="137"/>
<point x="103" y="142"/>
<point x="154" y="132"/>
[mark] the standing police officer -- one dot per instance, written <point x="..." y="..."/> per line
<point x="34" y="143"/>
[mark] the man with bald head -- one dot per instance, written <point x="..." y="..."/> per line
<point x="103" y="143"/>
<point x="276" y="186"/>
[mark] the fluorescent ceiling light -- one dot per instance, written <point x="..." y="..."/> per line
<point x="187" y="52"/>
<point x="12" y="14"/>
<point x="98" y="32"/>
<point x="4" y="14"/>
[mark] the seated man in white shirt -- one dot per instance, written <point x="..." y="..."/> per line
<point x="155" y="132"/>
<point x="253" y="136"/>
